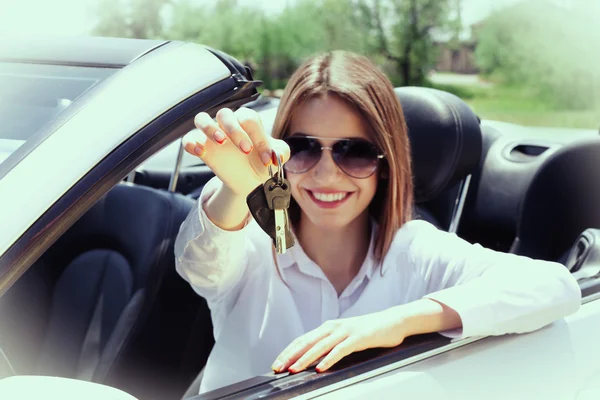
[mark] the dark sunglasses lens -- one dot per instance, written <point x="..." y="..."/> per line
<point x="356" y="157"/>
<point x="304" y="154"/>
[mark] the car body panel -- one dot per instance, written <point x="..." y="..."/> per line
<point x="42" y="387"/>
<point x="559" y="361"/>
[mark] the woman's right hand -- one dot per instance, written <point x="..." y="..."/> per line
<point x="235" y="147"/>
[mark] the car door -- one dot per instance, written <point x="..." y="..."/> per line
<point x="556" y="362"/>
<point x="54" y="177"/>
<point x="113" y="128"/>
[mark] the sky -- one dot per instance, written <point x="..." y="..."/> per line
<point x="72" y="17"/>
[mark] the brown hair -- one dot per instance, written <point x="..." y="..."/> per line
<point x="355" y="79"/>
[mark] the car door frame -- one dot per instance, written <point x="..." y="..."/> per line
<point x="225" y="84"/>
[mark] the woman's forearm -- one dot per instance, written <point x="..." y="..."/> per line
<point x="423" y="316"/>
<point x="226" y="209"/>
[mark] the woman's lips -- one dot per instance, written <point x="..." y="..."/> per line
<point x="328" y="199"/>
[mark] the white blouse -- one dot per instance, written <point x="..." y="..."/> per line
<point x="256" y="315"/>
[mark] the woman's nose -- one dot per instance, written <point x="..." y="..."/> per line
<point x="326" y="171"/>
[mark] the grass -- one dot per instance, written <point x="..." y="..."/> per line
<point x="520" y="106"/>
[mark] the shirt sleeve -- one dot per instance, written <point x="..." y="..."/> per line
<point x="211" y="259"/>
<point x="494" y="293"/>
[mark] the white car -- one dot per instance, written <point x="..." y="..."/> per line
<point x="94" y="185"/>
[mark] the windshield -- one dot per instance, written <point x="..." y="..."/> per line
<point x="33" y="95"/>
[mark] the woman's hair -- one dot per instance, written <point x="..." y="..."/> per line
<point x="359" y="82"/>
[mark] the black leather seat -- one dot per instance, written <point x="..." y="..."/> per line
<point x="562" y="201"/>
<point x="108" y="305"/>
<point x="446" y="146"/>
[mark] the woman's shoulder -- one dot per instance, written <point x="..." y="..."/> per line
<point x="418" y="239"/>
<point x="416" y="230"/>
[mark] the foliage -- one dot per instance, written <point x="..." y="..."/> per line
<point x="395" y="33"/>
<point x="541" y="58"/>
<point x="465" y="92"/>
<point x="130" y="18"/>
<point x="545" y="47"/>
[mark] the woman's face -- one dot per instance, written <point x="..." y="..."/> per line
<point x="327" y="196"/>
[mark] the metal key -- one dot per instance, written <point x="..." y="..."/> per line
<point x="278" y="198"/>
<point x="278" y="194"/>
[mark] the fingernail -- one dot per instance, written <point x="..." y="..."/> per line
<point x="273" y="157"/>
<point x="198" y="150"/>
<point x="245" y="146"/>
<point x="266" y="159"/>
<point x="277" y="366"/>
<point x="219" y="137"/>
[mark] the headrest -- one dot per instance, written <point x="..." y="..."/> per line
<point x="445" y="139"/>
<point x="561" y="202"/>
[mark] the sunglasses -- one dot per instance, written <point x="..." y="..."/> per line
<point x="357" y="158"/>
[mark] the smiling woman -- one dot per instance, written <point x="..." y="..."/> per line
<point x="91" y="266"/>
<point x="364" y="273"/>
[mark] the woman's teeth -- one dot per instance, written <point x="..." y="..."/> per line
<point x="329" y="197"/>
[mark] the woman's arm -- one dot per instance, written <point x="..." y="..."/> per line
<point x="494" y="293"/>
<point x="226" y="209"/>
<point x="423" y="316"/>
<point x="466" y="290"/>
<point x="213" y="256"/>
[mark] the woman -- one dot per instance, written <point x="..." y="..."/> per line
<point x="362" y="274"/>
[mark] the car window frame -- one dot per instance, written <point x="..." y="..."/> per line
<point x="233" y="91"/>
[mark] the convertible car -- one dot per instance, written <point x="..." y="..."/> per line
<point x="94" y="185"/>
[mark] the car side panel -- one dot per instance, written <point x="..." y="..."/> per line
<point x="559" y="361"/>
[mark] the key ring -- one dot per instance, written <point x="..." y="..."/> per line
<point x="280" y="177"/>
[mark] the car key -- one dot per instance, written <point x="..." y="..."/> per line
<point x="278" y="196"/>
<point x="263" y="202"/>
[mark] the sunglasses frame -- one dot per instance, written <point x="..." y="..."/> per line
<point x="379" y="156"/>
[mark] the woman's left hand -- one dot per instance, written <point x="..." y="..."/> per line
<point x="336" y="339"/>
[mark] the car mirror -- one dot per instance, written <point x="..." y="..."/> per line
<point x="46" y="387"/>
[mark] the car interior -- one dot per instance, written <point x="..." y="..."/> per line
<point x="105" y="304"/>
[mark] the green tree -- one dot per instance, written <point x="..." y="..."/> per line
<point x="545" y="48"/>
<point x="139" y="19"/>
<point x="395" y="33"/>
<point x="404" y="33"/>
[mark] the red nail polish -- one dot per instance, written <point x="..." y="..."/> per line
<point x="219" y="137"/>
<point x="245" y="146"/>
